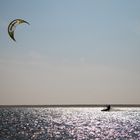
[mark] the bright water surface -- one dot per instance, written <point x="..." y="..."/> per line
<point x="69" y="124"/>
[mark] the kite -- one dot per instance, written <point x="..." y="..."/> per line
<point x="12" y="26"/>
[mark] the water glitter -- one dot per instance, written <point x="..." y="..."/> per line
<point x="69" y="124"/>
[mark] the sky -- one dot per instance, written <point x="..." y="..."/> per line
<point x="73" y="52"/>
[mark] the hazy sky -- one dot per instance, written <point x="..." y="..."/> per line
<point x="73" y="52"/>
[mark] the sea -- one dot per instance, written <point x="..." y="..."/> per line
<point x="69" y="123"/>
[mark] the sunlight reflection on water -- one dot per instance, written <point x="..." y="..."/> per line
<point x="70" y="123"/>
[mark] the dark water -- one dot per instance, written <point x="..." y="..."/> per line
<point x="69" y="124"/>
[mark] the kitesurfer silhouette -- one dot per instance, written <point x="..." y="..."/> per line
<point x="108" y="107"/>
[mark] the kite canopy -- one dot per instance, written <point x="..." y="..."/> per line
<point x="12" y="26"/>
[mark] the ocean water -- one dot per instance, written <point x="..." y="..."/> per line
<point x="69" y="124"/>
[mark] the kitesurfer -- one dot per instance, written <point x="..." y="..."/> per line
<point x="108" y="107"/>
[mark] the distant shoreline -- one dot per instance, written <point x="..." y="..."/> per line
<point x="71" y="105"/>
